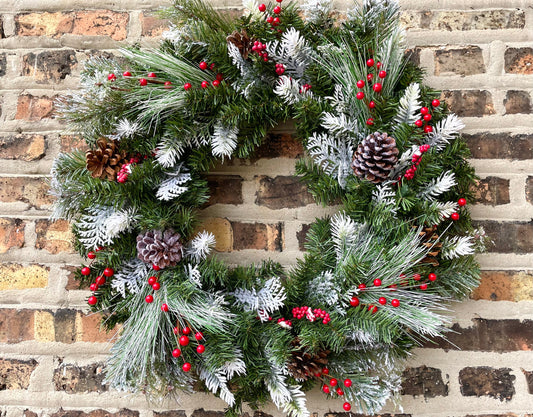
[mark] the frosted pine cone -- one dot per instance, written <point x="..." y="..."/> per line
<point x="375" y="157"/>
<point x="160" y="248"/>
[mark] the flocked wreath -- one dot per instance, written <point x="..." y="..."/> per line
<point x="377" y="276"/>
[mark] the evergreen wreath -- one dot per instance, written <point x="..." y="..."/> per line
<point x="377" y="277"/>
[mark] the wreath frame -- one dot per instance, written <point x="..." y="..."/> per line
<point x="377" y="276"/>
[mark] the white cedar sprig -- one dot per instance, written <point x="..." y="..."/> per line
<point x="333" y="155"/>
<point x="339" y="124"/>
<point x="216" y="382"/>
<point x="174" y="185"/>
<point x="131" y="277"/>
<point x="409" y="105"/>
<point x="92" y="227"/>
<point x="264" y="301"/>
<point x="293" y="51"/>
<point x="290" y="90"/>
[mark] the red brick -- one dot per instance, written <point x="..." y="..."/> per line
<point x="85" y="23"/>
<point x="124" y="412"/>
<point x="73" y="379"/>
<point x="461" y="61"/>
<point x="70" y="142"/>
<point x="152" y="25"/>
<point x="171" y="413"/>
<point x="257" y="236"/>
<point x="11" y="234"/>
<point x="16" y="374"/>
<point x="504" y="286"/>
<point x="49" y="66"/>
<point x="35" y="108"/>
<point x="65" y="326"/>
<point x="485" y="381"/>
<point x="492" y="191"/>
<point x="16" y="325"/>
<point x="469" y="103"/>
<point x="517" y="101"/>
<point x="23" y="147"/>
<point x="283" y="145"/>
<point x="509" y="237"/>
<point x="519" y="60"/>
<point x="423" y="381"/>
<point x="91" y="329"/>
<point x="224" y="189"/>
<point x="500" y="146"/>
<point x="529" y="190"/>
<point x="488" y="336"/>
<point x="206" y="413"/>
<point x="302" y="235"/>
<point x="54" y="236"/>
<point x="33" y="191"/>
<point x="282" y="192"/>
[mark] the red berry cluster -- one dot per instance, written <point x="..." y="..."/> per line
<point x="274" y="21"/>
<point x="355" y="302"/>
<point x="426" y="117"/>
<point x="333" y="387"/>
<point x="184" y="341"/>
<point x="432" y="277"/>
<point x="260" y="49"/>
<point x="152" y="281"/>
<point x="99" y="281"/>
<point x="416" y="158"/>
<point x="311" y="315"/>
<point x="280" y="69"/>
<point x="284" y="323"/>
<point x="461" y="203"/>
<point x="125" y="170"/>
<point x="376" y="73"/>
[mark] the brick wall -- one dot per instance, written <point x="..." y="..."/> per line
<point x="51" y="351"/>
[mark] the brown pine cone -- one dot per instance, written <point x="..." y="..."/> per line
<point x="162" y="249"/>
<point x="430" y="239"/>
<point x="304" y="365"/>
<point x="106" y="160"/>
<point x="375" y="157"/>
<point x="242" y="41"/>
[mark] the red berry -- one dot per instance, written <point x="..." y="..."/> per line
<point x="186" y="330"/>
<point x="373" y="308"/>
<point x="92" y="300"/>
<point x="427" y="117"/>
<point x="371" y="104"/>
<point x="216" y="83"/>
<point x="175" y="330"/>
<point x="347" y="406"/>
<point x="361" y="286"/>
<point x="143" y="82"/>
<point x="149" y="299"/>
<point x="199" y="336"/>
<point x="279" y="1"/>
<point x="155" y="267"/>
<point x="369" y="77"/>
<point x="111" y="77"/>
<point x="184" y="341"/>
<point x="382" y="74"/>
<point x="377" y="282"/>
<point x="325" y="371"/>
<point x="126" y="74"/>
<point x="176" y="353"/>
<point x="270" y="19"/>
<point x="340" y="391"/>
<point x="187" y="86"/>
<point x="152" y="280"/>
<point x="377" y="87"/>
<point x="378" y="65"/>
<point x="354" y="302"/>
<point x="416" y="277"/>
<point x="156" y="286"/>
<point x="212" y="66"/>
<point x="419" y="123"/>
<point x="424" y="110"/>
<point x="151" y="74"/>
<point x="370" y="62"/>
<point x="203" y="65"/>
<point x="108" y="272"/>
<point x="432" y="277"/>
<point x="461" y="202"/>
<point x="220" y="76"/>
<point x="276" y="21"/>
<point x="100" y="280"/>
<point x="205" y="84"/>
<point x="325" y="388"/>
<point x="168" y="84"/>
<point x="360" y="84"/>
<point x="92" y="255"/>
<point x="93" y="287"/>
<point x="435" y="103"/>
<point x="428" y="129"/>
<point x="394" y="302"/>
<point x="85" y="270"/>
<point x="423" y="287"/>
<point x="347" y="382"/>
<point x="333" y="382"/>
<point x="262" y="7"/>
<point x="360" y="95"/>
<point x="277" y="10"/>
<point x="370" y="121"/>
<point x="455" y="216"/>
<point x="186" y="367"/>
<point x="200" y="349"/>
<point x="382" y="301"/>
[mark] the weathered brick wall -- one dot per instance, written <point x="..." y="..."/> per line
<point x="478" y="52"/>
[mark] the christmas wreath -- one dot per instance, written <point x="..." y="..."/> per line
<point x="376" y="278"/>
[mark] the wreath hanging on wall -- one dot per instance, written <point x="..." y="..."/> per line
<point x="377" y="276"/>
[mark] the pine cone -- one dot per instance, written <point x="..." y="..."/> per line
<point x="375" y="157"/>
<point x="106" y="160"/>
<point x="304" y="365"/>
<point x="160" y="248"/>
<point x="430" y="240"/>
<point x="242" y="41"/>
